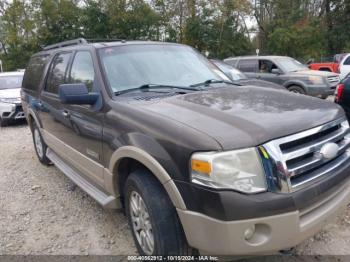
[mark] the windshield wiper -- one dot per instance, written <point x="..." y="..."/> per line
<point x="214" y="81"/>
<point x="147" y="87"/>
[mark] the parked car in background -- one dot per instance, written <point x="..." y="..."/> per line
<point x="10" y="97"/>
<point x="199" y="164"/>
<point x="330" y="66"/>
<point x="238" y="77"/>
<point x="342" y="94"/>
<point x="288" y="72"/>
<point x="344" y="66"/>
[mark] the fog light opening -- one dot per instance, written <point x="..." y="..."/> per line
<point x="249" y="232"/>
<point x="257" y="234"/>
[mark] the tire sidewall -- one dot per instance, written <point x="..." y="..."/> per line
<point x="43" y="159"/>
<point x="130" y="187"/>
<point x="297" y="90"/>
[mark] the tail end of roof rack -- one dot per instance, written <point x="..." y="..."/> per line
<point x="78" y="41"/>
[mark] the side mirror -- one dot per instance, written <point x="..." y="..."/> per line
<point x="76" y="94"/>
<point x="276" y="71"/>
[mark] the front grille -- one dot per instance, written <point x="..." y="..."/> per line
<point x="297" y="159"/>
<point x="333" y="80"/>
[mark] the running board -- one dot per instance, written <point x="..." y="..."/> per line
<point x="107" y="201"/>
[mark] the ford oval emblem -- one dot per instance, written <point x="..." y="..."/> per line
<point x="329" y="150"/>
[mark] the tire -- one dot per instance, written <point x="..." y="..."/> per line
<point x="3" y="122"/>
<point x="40" y="146"/>
<point x="324" y="96"/>
<point x="296" y="89"/>
<point x="166" y="230"/>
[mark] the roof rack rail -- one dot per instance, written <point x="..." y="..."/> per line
<point x="92" y="40"/>
<point x="79" y="41"/>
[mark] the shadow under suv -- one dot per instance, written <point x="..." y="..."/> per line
<point x="199" y="164"/>
<point x="288" y="72"/>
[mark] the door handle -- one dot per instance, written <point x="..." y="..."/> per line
<point x="66" y="114"/>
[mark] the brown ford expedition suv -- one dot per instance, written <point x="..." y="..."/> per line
<point x="199" y="164"/>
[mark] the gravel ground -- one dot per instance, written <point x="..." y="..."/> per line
<point x="42" y="212"/>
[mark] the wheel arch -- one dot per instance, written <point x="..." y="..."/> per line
<point x="32" y="118"/>
<point x="127" y="157"/>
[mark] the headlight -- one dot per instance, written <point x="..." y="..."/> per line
<point x="10" y="100"/>
<point x="239" y="170"/>
<point x="316" y="80"/>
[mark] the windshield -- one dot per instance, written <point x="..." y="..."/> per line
<point x="288" y="64"/>
<point x="10" y="82"/>
<point x="132" y="66"/>
<point x="230" y="71"/>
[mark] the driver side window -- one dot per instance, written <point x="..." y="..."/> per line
<point x="83" y="70"/>
<point x="266" y="66"/>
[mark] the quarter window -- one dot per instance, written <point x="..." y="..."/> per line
<point x="34" y="72"/>
<point x="58" y="71"/>
<point x="83" y="69"/>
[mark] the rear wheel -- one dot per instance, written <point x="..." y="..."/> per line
<point x="296" y="89"/>
<point x="324" y="96"/>
<point x="39" y="145"/>
<point x="155" y="226"/>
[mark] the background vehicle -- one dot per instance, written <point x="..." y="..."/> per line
<point x="330" y="66"/>
<point x="344" y="66"/>
<point x="10" y="98"/>
<point x="198" y="163"/>
<point x="342" y="95"/>
<point x="288" y="72"/>
<point x="238" y="77"/>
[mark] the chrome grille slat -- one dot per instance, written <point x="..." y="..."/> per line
<point x="297" y="159"/>
<point x="316" y="145"/>
<point x="338" y="162"/>
<point x="316" y="161"/>
<point x="333" y="79"/>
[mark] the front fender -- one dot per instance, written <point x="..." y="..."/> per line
<point x="152" y="164"/>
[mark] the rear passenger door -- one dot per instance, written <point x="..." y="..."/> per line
<point x="248" y="67"/>
<point x="51" y="111"/>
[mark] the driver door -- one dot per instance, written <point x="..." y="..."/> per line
<point x="265" y="71"/>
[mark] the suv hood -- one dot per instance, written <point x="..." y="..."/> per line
<point x="314" y="73"/>
<point x="10" y="93"/>
<point x="239" y="117"/>
<point x="260" y="83"/>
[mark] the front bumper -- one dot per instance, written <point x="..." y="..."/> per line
<point x="272" y="233"/>
<point x="321" y="90"/>
<point x="11" y="111"/>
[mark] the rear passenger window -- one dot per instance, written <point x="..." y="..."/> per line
<point x="34" y="72"/>
<point x="248" y="65"/>
<point x="83" y="69"/>
<point x="57" y="73"/>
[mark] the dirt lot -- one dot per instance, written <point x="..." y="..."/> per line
<point x="42" y="212"/>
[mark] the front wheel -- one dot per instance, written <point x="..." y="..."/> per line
<point x="155" y="226"/>
<point x="40" y="146"/>
<point x="297" y="90"/>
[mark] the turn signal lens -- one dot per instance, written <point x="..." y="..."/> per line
<point x="201" y="166"/>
